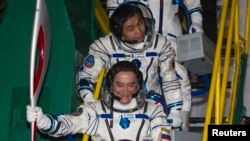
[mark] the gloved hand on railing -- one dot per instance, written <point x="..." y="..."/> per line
<point x="196" y="25"/>
<point x="87" y="96"/>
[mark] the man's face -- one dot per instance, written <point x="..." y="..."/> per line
<point x="124" y="85"/>
<point x="134" y="29"/>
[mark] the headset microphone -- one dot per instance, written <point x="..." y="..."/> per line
<point x="115" y="97"/>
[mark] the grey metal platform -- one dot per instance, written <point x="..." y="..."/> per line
<point x="186" y="136"/>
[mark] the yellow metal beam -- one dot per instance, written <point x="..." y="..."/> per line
<point x="227" y="59"/>
<point x="215" y="71"/>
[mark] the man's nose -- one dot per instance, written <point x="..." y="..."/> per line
<point x="125" y="90"/>
<point x="137" y="29"/>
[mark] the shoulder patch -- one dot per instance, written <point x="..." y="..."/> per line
<point x="89" y="61"/>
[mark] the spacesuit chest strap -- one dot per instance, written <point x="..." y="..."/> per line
<point x="142" y="123"/>
<point x="112" y="42"/>
<point x="156" y="41"/>
<point x="107" y="123"/>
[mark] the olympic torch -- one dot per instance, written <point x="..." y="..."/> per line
<point x="39" y="55"/>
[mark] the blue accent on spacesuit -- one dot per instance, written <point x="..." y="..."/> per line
<point x="81" y="68"/>
<point x="193" y="30"/>
<point x="52" y="123"/>
<point x="118" y="55"/>
<point x="172" y="35"/>
<point x="169" y="121"/>
<point x="85" y="84"/>
<point x="76" y="112"/>
<point x="137" y="63"/>
<point x="105" y="115"/>
<point x="85" y="88"/>
<point x="124" y="122"/>
<point x="186" y="13"/>
<point x="197" y="9"/>
<point x="70" y="137"/>
<point x="141" y="116"/>
<point x="151" y="54"/>
<point x="174" y="104"/>
<point x="176" y="1"/>
<point x="159" y="98"/>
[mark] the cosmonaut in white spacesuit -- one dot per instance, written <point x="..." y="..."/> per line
<point x="167" y="22"/>
<point x="132" y="38"/>
<point x="122" y="114"/>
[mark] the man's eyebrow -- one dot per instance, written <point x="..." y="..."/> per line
<point x="132" y="83"/>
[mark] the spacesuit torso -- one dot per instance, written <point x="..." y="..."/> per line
<point x="105" y="52"/>
<point x="139" y="121"/>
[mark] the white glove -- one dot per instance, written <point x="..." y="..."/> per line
<point x="87" y="96"/>
<point x="175" y="117"/>
<point x="196" y="25"/>
<point x="36" y="114"/>
<point x="185" y="119"/>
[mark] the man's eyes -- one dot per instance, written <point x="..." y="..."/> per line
<point x="130" y="29"/>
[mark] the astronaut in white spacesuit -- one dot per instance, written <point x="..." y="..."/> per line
<point x="122" y="114"/>
<point x="167" y="22"/>
<point x="132" y="38"/>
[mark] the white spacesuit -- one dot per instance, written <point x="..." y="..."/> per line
<point x="108" y="119"/>
<point x="154" y="57"/>
<point x="167" y="22"/>
<point x="95" y="120"/>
